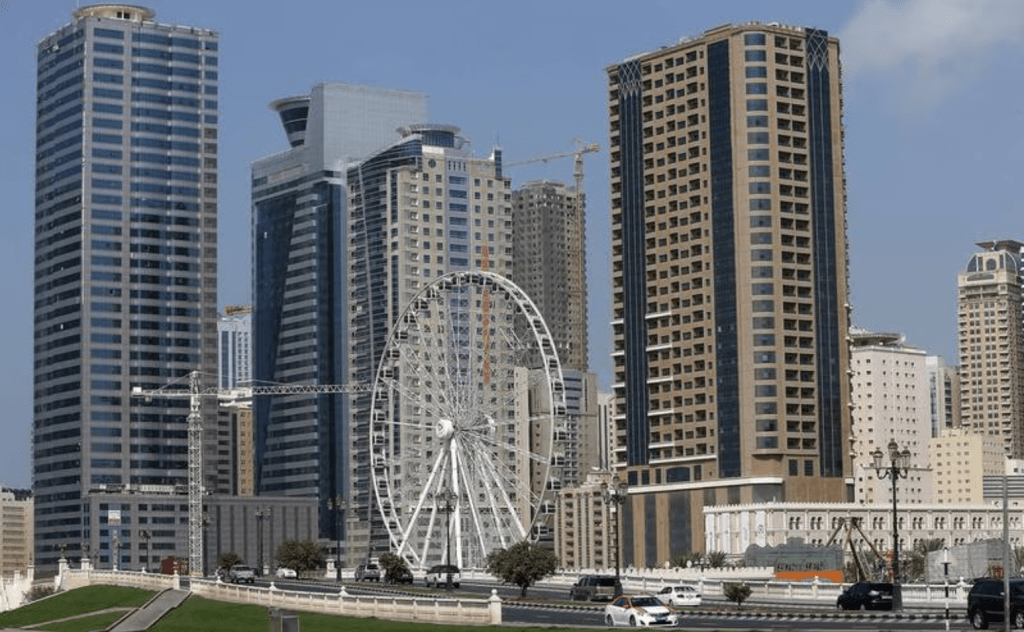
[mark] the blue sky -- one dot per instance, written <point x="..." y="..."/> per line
<point x="934" y="121"/>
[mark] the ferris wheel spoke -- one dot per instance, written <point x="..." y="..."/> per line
<point x="425" y="496"/>
<point x="432" y="410"/>
<point x="494" y="484"/>
<point x="460" y="372"/>
<point x="495" y="445"/>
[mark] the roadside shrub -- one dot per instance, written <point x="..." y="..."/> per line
<point x="734" y="591"/>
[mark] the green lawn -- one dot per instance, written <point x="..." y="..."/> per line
<point x="88" y="623"/>
<point x="205" y="615"/>
<point x="75" y="602"/>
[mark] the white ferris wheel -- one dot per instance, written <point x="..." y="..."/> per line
<point x="467" y="399"/>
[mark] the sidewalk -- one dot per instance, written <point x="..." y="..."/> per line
<point x="152" y="612"/>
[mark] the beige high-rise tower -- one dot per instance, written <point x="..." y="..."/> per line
<point x="549" y="262"/>
<point x="729" y="264"/>
<point x="991" y="344"/>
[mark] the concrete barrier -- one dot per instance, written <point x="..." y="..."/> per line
<point x="414" y="609"/>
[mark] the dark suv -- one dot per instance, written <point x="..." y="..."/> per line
<point x="595" y="588"/>
<point x="985" y="602"/>
<point x="866" y="596"/>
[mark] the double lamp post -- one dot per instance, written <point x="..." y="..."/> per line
<point x="444" y="500"/>
<point x="338" y="504"/>
<point x="614" y="496"/>
<point x="898" y="467"/>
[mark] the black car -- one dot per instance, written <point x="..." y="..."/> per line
<point x="985" y="602"/>
<point x="866" y="596"/>
<point x="595" y="588"/>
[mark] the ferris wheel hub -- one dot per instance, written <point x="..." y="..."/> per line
<point x="445" y="428"/>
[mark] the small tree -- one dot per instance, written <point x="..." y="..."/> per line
<point x="392" y="565"/>
<point x="229" y="559"/>
<point x="734" y="591"/>
<point x="522" y="564"/>
<point x="300" y="555"/>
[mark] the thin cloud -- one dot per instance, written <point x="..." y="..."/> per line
<point x="928" y="47"/>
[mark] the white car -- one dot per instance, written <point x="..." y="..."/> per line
<point x="639" y="610"/>
<point x="286" y="573"/>
<point x="678" y="596"/>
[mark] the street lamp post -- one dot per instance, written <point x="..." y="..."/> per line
<point x="898" y="467"/>
<point x="206" y="541"/>
<point x="444" y="502"/>
<point x="262" y="513"/>
<point x="614" y="497"/>
<point x="337" y="504"/>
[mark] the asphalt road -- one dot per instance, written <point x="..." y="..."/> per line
<point x="546" y="605"/>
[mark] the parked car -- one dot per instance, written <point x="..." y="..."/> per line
<point x="639" y="610"/>
<point x="286" y="573"/>
<point x="985" y="602"/>
<point x="595" y="588"/>
<point x="241" y="573"/>
<point x="437" y="576"/>
<point x="866" y="596"/>
<point x="678" y="596"/>
<point x="368" y="572"/>
<point x="401" y="576"/>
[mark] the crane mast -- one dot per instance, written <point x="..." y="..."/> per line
<point x="195" y="394"/>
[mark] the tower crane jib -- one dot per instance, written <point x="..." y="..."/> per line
<point x="195" y="393"/>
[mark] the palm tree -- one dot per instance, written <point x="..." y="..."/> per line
<point x="716" y="559"/>
<point x="1018" y="559"/>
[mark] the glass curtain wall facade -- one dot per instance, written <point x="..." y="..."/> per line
<point x="302" y="248"/>
<point x="729" y="279"/>
<point x="125" y="277"/>
<point x="234" y="332"/>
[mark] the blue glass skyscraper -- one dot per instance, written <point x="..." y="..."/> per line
<point x="302" y="247"/>
<point x="125" y="277"/>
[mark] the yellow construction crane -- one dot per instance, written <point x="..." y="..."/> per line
<point x="574" y="252"/>
<point x="195" y="393"/>
<point x="577" y="154"/>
